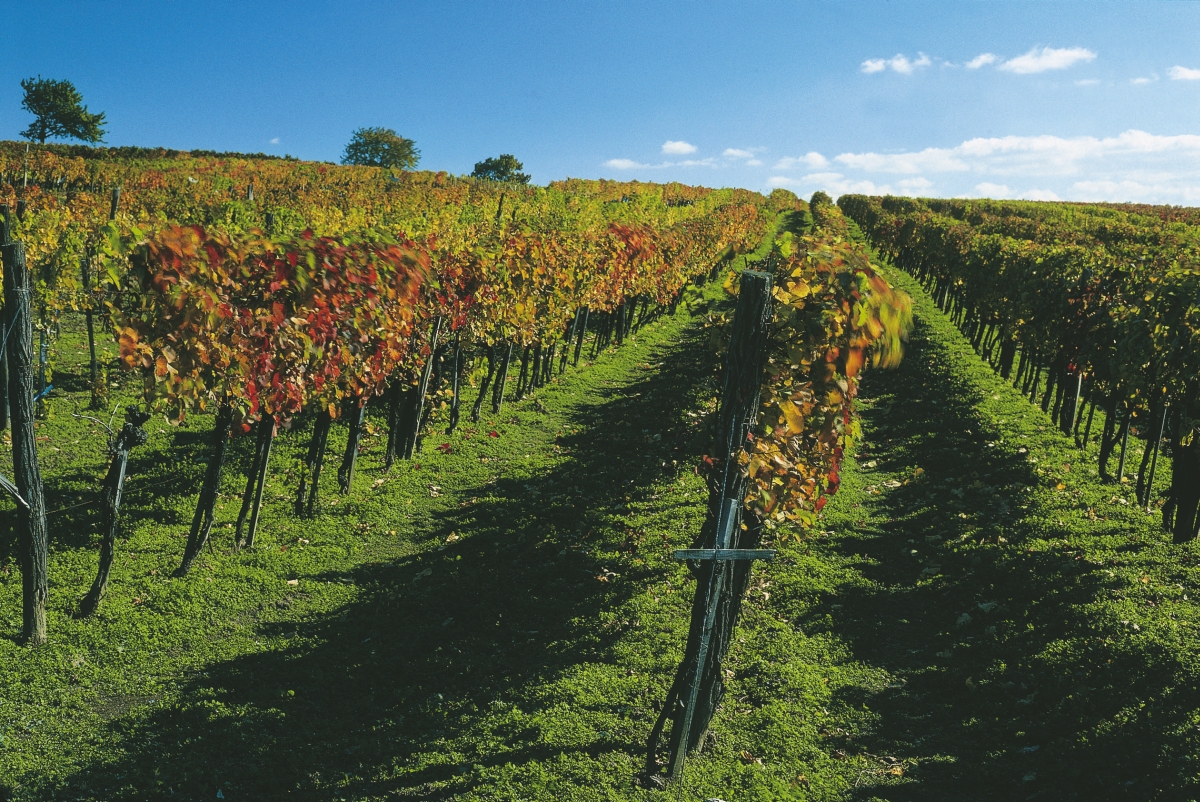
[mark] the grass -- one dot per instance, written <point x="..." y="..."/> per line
<point x="959" y="628"/>
<point x="1034" y="625"/>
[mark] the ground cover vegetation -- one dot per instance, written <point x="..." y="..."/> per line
<point x="1083" y="307"/>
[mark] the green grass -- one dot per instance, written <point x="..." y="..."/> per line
<point x="514" y="638"/>
<point x="1034" y="624"/>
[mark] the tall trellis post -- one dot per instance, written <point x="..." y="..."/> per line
<point x="728" y="542"/>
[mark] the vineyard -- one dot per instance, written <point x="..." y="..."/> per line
<point x="226" y="304"/>
<point x="1083" y="308"/>
<point x="636" y="491"/>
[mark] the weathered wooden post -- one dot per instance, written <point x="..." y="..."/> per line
<point x="410" y="428"/>
<point x="501" y="379"/>
<point x="32" y="541"/>
<point x="131" y="434"/>
<point x="204" y="517"/>
<point x="722" y="554"/>
<point x="264" y="437"/>
<point x="1162" y="425"/>
<point x="579" y="338"/>
<point x="457" y="380"/>
<point x="91" y="333"/>
<point x="5" y="230"/>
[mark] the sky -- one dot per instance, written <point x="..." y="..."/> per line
<point x="1043" y="100"/>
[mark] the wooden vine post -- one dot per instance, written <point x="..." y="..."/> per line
<point x="202" y="520"/>
<point x="264" y="436"/>
<point x="727" y="545"/>
<point x="97" y="397"/>
<point x="32" y="540"/>
<point x="131" y="434"/>
<point x="4" y="213"/>
<point x="410" y="421"/>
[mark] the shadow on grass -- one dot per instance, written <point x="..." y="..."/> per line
<point x="403" y="692"/>
<point x="1040" y="691"/>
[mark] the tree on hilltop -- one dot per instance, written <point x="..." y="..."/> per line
<point x="381" y="147"/>
<point x="504" y="167"/>
<point x="59" y="112"/>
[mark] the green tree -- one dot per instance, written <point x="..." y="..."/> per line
<point x="58" y="111"/>
<point x="381" y="147"/>
<point x="504" y="167"/>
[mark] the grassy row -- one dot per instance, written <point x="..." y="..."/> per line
<point x="1036" y="630"/>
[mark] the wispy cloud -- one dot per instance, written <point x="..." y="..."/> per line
<point x="274" y="141"/>
<point x="838" y="184"/>
<point x="677" y="147"/>
<point x="897" y="63"/>
<point x="1043" y="59"/>
<point x="982" y="60"/>
<point x="750" y="155"/>
<point x="630" y="164"/>
<point x="1143" y="80"/>
<point x="626" y="164"/>
<point x="811" y="161"/>
<point x="990" y="190"/>
<point x="1134" y="165"/>
<point x="1178" y="73"/>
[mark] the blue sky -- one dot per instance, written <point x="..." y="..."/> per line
<point x="1071" y="100"/>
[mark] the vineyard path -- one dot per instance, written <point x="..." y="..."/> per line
<point x="973" y="556"/>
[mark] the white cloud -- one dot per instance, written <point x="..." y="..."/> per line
<point x="990" y="190"/>
<point x="675" y="147"/>
<point x="930" y="159"/>
<point x="738" y="153"/>
<point x="275" y="141"/>
<point x="838" y="184"/>
<point x="898" y="63"/>
<point x="811" y="161"/>
<point x="630" y="164"/>
<point x="1178" y="73"/>
<point x="625" y="164"/>
<point x="1047" y="58"/>
<point x="1140" y="81"/>
<point x="1134" y="165"/>
<point x="982" y="60"/>
<point x="754" y="163"/>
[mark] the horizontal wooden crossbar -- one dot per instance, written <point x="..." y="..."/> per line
<point x="724" y="554"/>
